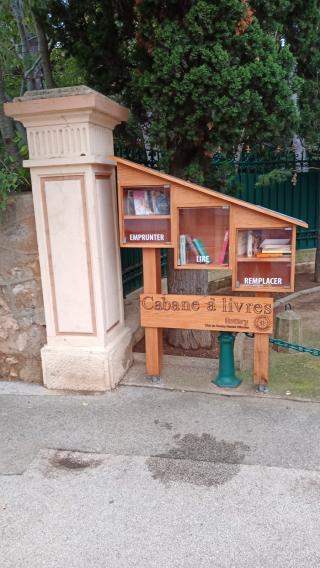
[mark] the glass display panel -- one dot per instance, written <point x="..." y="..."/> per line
<point x="151" y="200"/>
<point x="264" y="258"/>
<point x="264" y="243"/>
<point x="144" y="231"/>
<point x="203" y="236"/>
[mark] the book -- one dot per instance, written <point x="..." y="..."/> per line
<point x="154" y="201"/>
<point x="183" y="249"/>
<point x="142" y="203"/>
<point x="275" y="248"/>
<point x="199" y="246"/>
<point x="271" y="254"/>
<point x="274" y="242"/>
<point x="202" y="253"/>
<point x="191" y="247"/>
<point x="249" y="243"/>
<point x="224" y="247"/>
<point x="148" y="202"/>
<point x="276" y="251"/>
<point x="130" y="203"/>
<point x="242" y="243"/>
<point x="161" y="202"/>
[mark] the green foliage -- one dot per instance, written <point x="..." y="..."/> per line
<point x="223" y="177"/>
<point x="273" y="177"/>
<point x="66" y="70"/>
<point x="12" y="179"/>
<point x="298" y="24"/>
<point x="194" y="83"/>
<point x="199" y="86"/>
<point x="98" y="34"/>
<point x="10" y="60"/>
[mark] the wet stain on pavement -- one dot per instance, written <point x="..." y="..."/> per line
<point x="307" y="488"/>
<point x="162" y="424"/>
<point x="198" y="459"/>
<point x="70" y="461"/>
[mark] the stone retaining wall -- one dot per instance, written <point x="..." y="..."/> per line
<point x="22" y="322"/>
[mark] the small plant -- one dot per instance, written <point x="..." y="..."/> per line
<point x="273" y="177"/>
<point x="13" y="178"/>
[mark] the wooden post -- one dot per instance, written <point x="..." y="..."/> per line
<point x="261" y="353"/>
<point x="152" y="285"/>
<point x="261" y="359"/>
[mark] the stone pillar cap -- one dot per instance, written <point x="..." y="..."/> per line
<point x="67" y="100"/>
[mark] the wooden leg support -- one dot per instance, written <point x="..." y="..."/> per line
<point x="154" y="350"/>
<point x="261" y="359"/>
<point x="152" y="285"/>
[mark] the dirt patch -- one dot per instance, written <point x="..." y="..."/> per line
<point x="198" y="460"/>
<point x="211" y="353"/>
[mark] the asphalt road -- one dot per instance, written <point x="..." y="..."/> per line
<point x="149" y="478"/>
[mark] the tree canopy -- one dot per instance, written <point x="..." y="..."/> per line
<point x="207" y="81"/>
<point x="200" y="75"/>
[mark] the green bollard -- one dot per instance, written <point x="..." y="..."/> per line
<point x="226" y="377"/>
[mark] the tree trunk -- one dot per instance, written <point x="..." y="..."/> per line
<point x="18" y="12"/>
<point x="43" y="51"/>
<point x="187" y="282"/>
<point x="7" y="126"/>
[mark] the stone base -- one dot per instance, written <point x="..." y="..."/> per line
<point x="87" y="369"/>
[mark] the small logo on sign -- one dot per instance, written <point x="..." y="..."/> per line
<point x="262" y="322"/>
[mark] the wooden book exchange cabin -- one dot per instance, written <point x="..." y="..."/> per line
<point x="207" y="231"/>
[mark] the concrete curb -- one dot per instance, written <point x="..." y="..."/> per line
<point x="266" y="396"/>
<point x="296" y="295"/>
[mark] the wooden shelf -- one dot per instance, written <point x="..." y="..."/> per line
<point x="260" y="259"/>
<point x="153" y="217"/>
<point x="269" y="289"/>
<point x="199" y="265"/>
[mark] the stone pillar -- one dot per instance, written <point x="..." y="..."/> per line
<point x="73" y="182"/>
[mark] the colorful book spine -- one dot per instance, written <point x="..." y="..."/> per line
<point x="202" y="253"/>
<point x="200" y="248"/>
<point x="192" y="246"/>
<point x="224" y="248"/>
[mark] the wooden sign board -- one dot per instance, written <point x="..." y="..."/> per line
<point x="209" y="313"/>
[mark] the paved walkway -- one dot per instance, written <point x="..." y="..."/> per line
<point x="149" y="478"/>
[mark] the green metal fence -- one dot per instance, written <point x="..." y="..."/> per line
<point x="300" y="199"/>
<point x="132" y="274"/>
